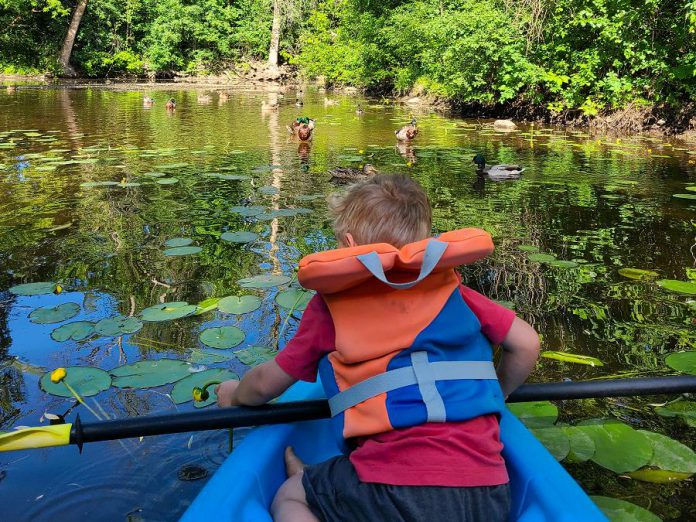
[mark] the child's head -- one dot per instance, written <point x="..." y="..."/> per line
<point x="390" y="209"/>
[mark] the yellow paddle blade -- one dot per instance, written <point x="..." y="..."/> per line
<point x="28" y="438"/>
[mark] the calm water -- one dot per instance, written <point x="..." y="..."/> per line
<point x="601" y="203"/>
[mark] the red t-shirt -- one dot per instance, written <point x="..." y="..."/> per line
<point x="457" y="454"/>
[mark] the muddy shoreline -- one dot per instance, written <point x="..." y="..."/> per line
<point x="650" y="120"/>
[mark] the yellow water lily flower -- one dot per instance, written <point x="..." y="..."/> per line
<point x="58" y="289"/>
<point x="200" y="394"/>
<point x="58" y="375"/>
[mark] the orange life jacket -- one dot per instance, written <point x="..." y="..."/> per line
<point x="407" y="351"/>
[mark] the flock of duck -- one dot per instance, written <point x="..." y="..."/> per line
<point x="302" y="129"/>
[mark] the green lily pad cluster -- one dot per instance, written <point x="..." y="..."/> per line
<point x="643" y="455"/>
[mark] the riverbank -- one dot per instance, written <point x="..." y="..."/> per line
<point x="633" y="119"/>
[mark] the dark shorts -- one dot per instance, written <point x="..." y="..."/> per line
<point x="335" y="493"/>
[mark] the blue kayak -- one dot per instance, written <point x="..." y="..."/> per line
<point x="244" y="486"/>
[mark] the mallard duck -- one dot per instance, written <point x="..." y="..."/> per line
<point x="299" y="103"/>
<point x="302" y="128"/>
<point x="407" y="132"/>
<point x="497" y="172"/>
<point x="148" y="102"/>
<point x="11" y="89"/>
<point x="349" y="174"/>
<point x="170" y="105"/>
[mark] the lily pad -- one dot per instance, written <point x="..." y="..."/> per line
<point x="684" y="362"/>
<point x="149" y="373"/>
<point x="658" y="476"/>
<point x="618" y="447"/>
<point x="178" y="242"/>
<point x="172" y="166"/>
<point x="582" y="446"/>
<point x="535" y="414"/>
<point x="54" y="314"/>
<point x="248" y="211"/>
<point x="222" y="338"/>
<point x="684" y="196"/>
<point x="207" y="305"/>
<point x="119" y="325"/>
<point x="77" y="331"/>
<point x="572" y="358"/>
<point x="167" y="181"/>
<point x="621" y="511"/>
<point x="294" y="299"/>
<point x="669" y="454"/>
<point x="243" y="304"/>
<point x="167" y="311"/>
<point x="182" y="391"/>
<point x="541" y="258"/>
<point x="680" y="287"/>
<point x="239" y="237"/>
<point x="255" y="355"/>
<point x="85" y="381"/>
<point x="206" y="357"/>
<point x="155" y="174"/>
<point x="182" y="251"/>
<point x="272" y="190"/>
<point x="40" y="288"/>
<point x="90" y="184"/>
<point x="528" y="248"/>
<point x="560" y="263"/>
<point x="264" y="281"/>
<point x="637" y="273"/>
<point x="685" y="410"/>
<point x="554" y="440"/>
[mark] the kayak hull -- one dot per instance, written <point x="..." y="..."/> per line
<point x="244" y="486"/>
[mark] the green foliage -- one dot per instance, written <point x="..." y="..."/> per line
<point x="585" y="56"/>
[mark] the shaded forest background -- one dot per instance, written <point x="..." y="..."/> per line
<point x="585" y="56"/>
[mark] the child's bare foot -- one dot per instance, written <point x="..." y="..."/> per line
<point x="293" y="464"/>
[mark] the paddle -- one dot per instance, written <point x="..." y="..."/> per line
<point x="285" y="412"/>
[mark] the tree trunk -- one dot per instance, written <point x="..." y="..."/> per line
<point x="275" y="38"/>
<point x="69" y="41"/>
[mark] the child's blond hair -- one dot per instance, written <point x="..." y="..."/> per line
<point x="390" y="209"/>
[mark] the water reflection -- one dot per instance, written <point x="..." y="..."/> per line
<point x="593" y="204"/>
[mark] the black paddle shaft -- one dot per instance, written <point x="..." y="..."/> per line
<point x="286" y="412"/>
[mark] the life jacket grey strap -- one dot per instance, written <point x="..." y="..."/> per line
<point x="431" y="257"/>
<point x="423" y="373"/>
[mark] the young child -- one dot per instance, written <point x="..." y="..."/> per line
<point x="425" y="438"/>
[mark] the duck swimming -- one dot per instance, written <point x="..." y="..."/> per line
<point x="170" y="105"/>
<point x="407" y="132"/>
<point x="148" y="102"/>
<point x="497" y="172"/>
<point x="343" y="175"/>
<point x="302" y="128"/>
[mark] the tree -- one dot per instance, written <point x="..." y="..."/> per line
<point x="66" y="51"/>
<point x="275" y="38"/>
